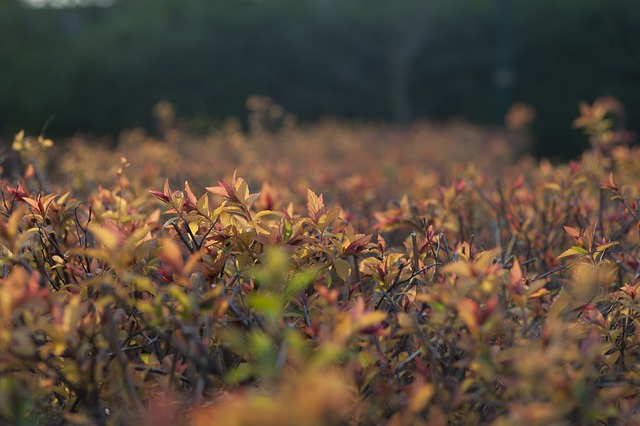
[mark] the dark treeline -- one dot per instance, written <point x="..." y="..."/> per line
<point x="99" y="70"/>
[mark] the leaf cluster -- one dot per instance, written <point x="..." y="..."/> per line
<point x="471" y="301"/>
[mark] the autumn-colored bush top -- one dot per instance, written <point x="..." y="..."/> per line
<point x="337" y="283"/>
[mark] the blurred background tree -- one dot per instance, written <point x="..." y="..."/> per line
<point x="101" y="68"/>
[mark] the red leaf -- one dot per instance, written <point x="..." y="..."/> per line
<point x="358" y="245"/>
<point x="19" y="193"/>
<point x="225" y="191"/>
<point x="159" y="195"/>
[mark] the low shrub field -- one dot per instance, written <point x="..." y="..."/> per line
<point x="334" y="274"/>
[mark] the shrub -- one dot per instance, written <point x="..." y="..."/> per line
<point x="473" y="301"/>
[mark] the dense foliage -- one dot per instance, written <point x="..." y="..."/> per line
<point x="365" y="59"/>
<point x="483" y="294"/>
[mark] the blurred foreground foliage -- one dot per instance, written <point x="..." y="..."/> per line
<point x="484" y="294"/>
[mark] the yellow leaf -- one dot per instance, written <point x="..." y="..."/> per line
<point x="342" y="268"/>
<point x="171" y="253"/>
<point x="72" y="315"/>
<point x="267" y="213"/>
<point x="153" y="218"/>
<point x="461" y="269"/>
<point x="406" y="322"/>
<point x="370" y="318"/>
<point x="192" y="261"/>
<point x="144" y="284"/>
<point x="536" y="289"/>
<point x="193" y="227"/>
<point x="138" y="237"/>
<point x="562" y="303"/>
<point x="145" y="358"/>
<point x="421" y="396"/>
<point x="107" y="235"/>
<point x="538" y="293"/>
<point x="18" y="141"/>
<point x="552" y="187"/>
<point x="366" y="359"/>
<point x="467" y="312"/>
<point x="603" y="247"/>
<point x="45" y="143"/>
<point x="327" y="218"/>
<point x="242" y="190"/>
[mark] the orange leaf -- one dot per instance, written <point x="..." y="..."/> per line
<point x="574" y="233"/>
<point x="315" y="205"/>
<point x="420" y="396"/>
<point x="190" y="195"/>
<point x="515" y="274"/>
<point x="225" y="191"/>
<point x="170" y="252"/>
<point x="33" y="203"/>
<point x="167" y="189"/>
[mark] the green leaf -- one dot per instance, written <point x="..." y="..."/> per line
<point x="178" y="294"/>
<point x="574" y="251"/>
<point x="295" y="312"/>
<point x="298" y="282"/>
<point x="240" y="373"/>
<point x="266" y="304"/>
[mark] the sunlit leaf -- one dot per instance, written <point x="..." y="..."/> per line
<point x="315" y="205"/>
<point x="107" y="234"/>
<point x="342" y="268"/>
<point x="420" y="396"/>
<point x="573" y="251"/>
